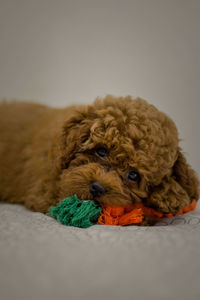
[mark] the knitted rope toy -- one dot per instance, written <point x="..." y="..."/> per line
<point x="74" y="212"/>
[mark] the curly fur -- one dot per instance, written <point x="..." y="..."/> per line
<point x="47" y="154"/>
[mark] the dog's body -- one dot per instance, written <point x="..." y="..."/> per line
<point x="116" y="151"/>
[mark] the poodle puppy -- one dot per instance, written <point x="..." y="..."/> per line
<point x="116" y="151"/>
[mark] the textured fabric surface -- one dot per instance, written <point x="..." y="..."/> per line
<point x="42" y="259"/>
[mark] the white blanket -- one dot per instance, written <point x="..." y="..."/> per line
<point x="42" y="259"/>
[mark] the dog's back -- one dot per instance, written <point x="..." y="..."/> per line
<point x="18" y="122"/>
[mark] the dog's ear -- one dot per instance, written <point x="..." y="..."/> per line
<point x="176" y="190"/>
<point x="186" y="176"/>
<point x="75" y="131"/>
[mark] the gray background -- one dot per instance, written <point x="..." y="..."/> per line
<point x="62" y="52"/>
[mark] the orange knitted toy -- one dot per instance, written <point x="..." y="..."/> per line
<point x="134" y="214"/>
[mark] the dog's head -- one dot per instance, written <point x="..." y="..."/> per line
<point x="119" y="151"/>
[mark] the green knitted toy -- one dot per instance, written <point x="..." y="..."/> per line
<point x="74" y="212"/>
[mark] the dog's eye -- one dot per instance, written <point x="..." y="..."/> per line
<point x="101" y="152"/>
<point x="133" y="175"/>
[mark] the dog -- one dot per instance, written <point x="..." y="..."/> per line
<point x="117" y="151"/>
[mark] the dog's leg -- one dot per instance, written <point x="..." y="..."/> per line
<point x="41" y="198"/>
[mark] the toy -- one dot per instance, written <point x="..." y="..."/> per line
<point x="135" y="214"/>
<point x="74" y="212"/>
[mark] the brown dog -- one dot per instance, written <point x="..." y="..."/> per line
<point x="116" y="151"/>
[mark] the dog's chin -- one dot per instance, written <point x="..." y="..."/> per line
<point x="112" y="200"/>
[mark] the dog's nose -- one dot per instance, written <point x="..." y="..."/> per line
<point x="96" y="189"/>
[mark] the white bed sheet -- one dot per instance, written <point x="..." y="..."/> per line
<point x="42" y="259"/>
